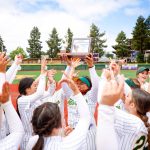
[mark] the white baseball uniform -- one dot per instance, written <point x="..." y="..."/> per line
<point x="27" y="104"/>
<point x="76" y="138"/>
<point x="73" y="115"/>
<point x="9" y="77"/>
<point x="13" y="140"/>
<point x="126" y="130"/>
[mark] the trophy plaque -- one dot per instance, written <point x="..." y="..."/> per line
<point x="80" y="46"/>
<point x="79" y="49"/>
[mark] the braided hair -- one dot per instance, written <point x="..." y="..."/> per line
<point x="141" y="99"/>
<point x="45" y="118"/>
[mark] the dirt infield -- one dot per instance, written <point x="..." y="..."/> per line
<point x="18" y="77"/>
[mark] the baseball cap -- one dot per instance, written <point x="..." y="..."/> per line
<point x="86" y="81"/>
<point x="131" y="83"/>
<point x="141" y="69"/>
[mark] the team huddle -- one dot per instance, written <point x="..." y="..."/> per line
<point x="40" y="122"/>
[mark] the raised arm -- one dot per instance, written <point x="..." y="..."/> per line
<point x="12" y="71"/>
<point x="106" y="113"/>
<point x="51" y="84"/>
<point x="74" y="63"/>
<point x="13" y="140"/>
<point x="76" y="138"/>
<point x="94" y="78"/>
<point x="28" y="99"/>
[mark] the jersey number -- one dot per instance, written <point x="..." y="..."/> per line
<point x="140" y="142"/>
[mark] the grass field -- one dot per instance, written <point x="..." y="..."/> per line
<point x="35" y="74"/>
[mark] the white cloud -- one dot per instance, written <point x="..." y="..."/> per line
<point x="135" y="11"/>
<point x="16" y="22"/>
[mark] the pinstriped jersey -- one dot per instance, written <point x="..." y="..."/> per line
<point x="73" y="115"/>
<point x="120" y="105"/>
<point x="10" y="76"/>
<point x="131" y="131"/>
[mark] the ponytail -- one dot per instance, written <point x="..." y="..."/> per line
<point x="46" y="117"/>
<point x="141" y="99"/>
<point x="17" y="106"/>
<point x="40" y="144"/>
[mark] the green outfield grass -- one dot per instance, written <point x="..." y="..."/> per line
<point x="35" y="74"/>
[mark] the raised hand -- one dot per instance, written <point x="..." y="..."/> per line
<point x="68" y="130"/>
<point x="4" y="97"/>
<point x="71" y="84"/>
<point x="114" y="90"/>
<point x="75" y="62"/>
<point x="18" y="59"/>
<point x="50" y="75"/>
<point x="89" y="60"/>
<point x="115" y="67"/>
<point x="67" y="60"/>
<point x="106" y="74"/>
<point x="3" y="62"/>
<point x="43" y="66"/>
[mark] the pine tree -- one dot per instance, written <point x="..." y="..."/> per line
<point x="122" y="48"/>
<point x="2" y="46"/>
<point x="97" y="43"/>
<point x="140" y="35"/>
<point x="54" y="44"/>
<point x="35" y="47"/>
<point x="147" y="22"/>
<point x="68" y="39"/>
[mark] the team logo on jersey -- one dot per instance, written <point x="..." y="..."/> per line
<point x="118" y="107"/>
<point x="72" y="102"/>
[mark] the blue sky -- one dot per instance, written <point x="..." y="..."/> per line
<point x="17" y="18"/>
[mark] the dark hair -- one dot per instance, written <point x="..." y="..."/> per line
<point x="23" y="85"/>
<point x="45" y="118"/>
<point x="141" y="99"/>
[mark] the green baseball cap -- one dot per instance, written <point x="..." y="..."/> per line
<point x="131" y="83"/>
<point x="141" y="69"/>
<point x="86" y="81"/>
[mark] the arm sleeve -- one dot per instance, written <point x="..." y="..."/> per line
<point x="68" y="92"/>
<point x="32" y="141"/>
<point x="50" y="91"/>
<point x="16" y="129"/>
<point x="57" y="97"/>
<point x="127" y="89"/>
<point x="67" y="70"/>
<point x="76" y="138"/>
<point x="95" y="82"/>
<point x="100" y="88"/>
<point x="11" y="72"/>
<point x="105" y="127"/>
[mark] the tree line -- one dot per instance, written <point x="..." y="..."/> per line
<point x="55" y="43"/>
<point x="140" y="41"/>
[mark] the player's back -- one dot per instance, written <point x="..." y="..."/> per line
<point x="131" y="131"/>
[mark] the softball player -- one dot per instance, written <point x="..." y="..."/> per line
<point x="46" y="123"/>
<point x="89" y="90"/>
<point x="27" y="103"/>
<point x="9" y="77"/>
<point x="30" y="97"/>
<point x="130" y="130"/>
<point x="12" y="141"/>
